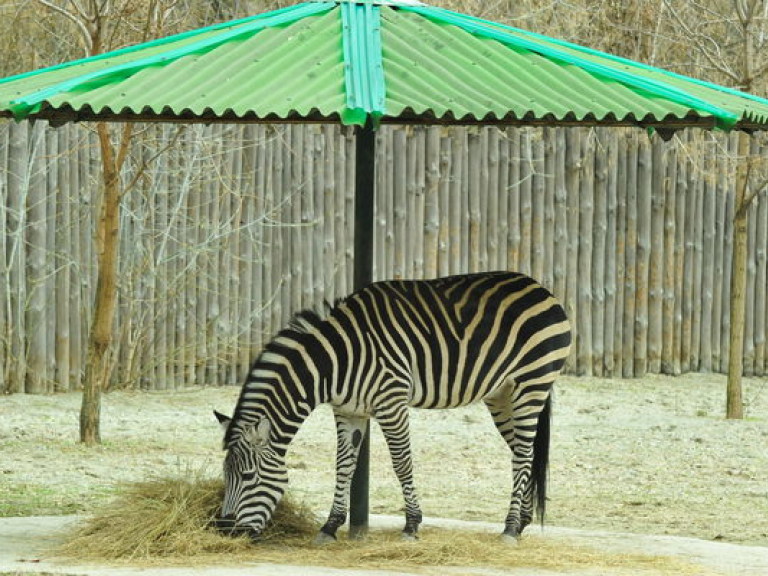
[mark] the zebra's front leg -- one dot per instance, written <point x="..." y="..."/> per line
<point x="350" y="432"/>
<point x="394" y="423"/>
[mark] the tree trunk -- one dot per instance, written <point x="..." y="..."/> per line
<point x="734" y="404"/>
<point x="99" y="364"/>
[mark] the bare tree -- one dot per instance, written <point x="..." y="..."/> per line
<point x="99" y="23"/>
<point x="731" y="40"/>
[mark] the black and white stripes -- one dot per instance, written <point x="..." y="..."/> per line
<point x="498" y="337"/>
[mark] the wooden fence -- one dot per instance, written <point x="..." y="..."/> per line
<point x="226" y="231"/>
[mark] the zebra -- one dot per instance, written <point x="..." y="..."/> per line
<point x="499" y="337"/>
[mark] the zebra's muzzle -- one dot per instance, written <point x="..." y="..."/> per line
<point x="228" y="526"/>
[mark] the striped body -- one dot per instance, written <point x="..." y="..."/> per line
<point x="496" y="337"/>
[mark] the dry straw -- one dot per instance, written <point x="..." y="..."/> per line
<point x="165" y="521"/>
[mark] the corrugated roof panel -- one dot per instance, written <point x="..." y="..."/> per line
<point x="255" y="71"/>
<point x="474" y="77"/>
<point x="258" y="75"/>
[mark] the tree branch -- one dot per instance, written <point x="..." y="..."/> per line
<point x="75" y="18"/>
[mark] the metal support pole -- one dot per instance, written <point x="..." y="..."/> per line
<point x="365" y="164"/>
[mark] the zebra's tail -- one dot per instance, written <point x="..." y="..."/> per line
<point x="540" y="466"/>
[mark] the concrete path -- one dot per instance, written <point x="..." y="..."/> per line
<point x="24" y="541"/>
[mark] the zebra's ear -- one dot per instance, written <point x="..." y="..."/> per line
<point x="223" y="420"/>
<point x="258" y="434"/>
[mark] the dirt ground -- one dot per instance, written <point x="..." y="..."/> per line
<point x="647" y="456"/>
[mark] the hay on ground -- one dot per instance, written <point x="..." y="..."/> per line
<point x="167" y="521"/>
<point x="172" y="517"/>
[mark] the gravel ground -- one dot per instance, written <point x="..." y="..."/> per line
<point x="649" y="456"/>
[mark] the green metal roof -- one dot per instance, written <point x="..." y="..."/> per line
<point x="391" y="61"/>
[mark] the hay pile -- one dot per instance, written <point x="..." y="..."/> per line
<point x="167" y="521"/>
<point x="171" y="518"/>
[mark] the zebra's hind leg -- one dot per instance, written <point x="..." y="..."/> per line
<point x="350" y="432"/>
<point x="394" y="422"/>
<point x="516" y="409"/>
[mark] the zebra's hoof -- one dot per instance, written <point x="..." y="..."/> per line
<point x="323" y="538"/>
<point x="509" y="540"/>
<point x="409" y="537"/>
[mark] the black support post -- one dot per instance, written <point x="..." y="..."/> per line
<point x="365" y="164"/>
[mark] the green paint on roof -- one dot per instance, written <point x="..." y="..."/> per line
<point x="388" y="60"/>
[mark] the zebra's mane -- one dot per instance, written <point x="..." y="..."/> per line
<point x="302" y="325"/>
<point x="309" y="319"/>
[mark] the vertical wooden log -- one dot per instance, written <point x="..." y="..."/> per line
<point x="560" y="235"/>
<point x="62" y="264"/>
<point x="473" y="177"/>
<point x="525" y="263"/>
<point x="179" y="184"/>
<point x="159" y="221"/>
<point x="17" y="188"/>
<point x="610" y="140"/>
<point x="349" y="205"/>
<point x="293" y="266"/>
<point x="287" y="196"/>
<point x="600" y="235"/>
<point x="503" y="193"/>
<point x="4" y="280"/>
<point x="197" y="286"/>
<point x="261" y="247"/>
<point x="749" y="312"/>
<point x="386" y="208"/>
<point x="448" y="245"/>
<point x="586" y="232"/>
<point x="668" y="261"/>
<point x="432" y="202"/>
<point x="698" y="243"/>
<point x="416" y="229"/>
<point x="52" y="188"/>
<point x="538" y="205"/>
<point x="572" y="172"/>
<point x="35" y="269"/>
<point x="462" y="154"/>
<point x="708" y="200"/>
<point x="235" y="277"/>
<point x="400" y="207"/>
<point x="656" y="256"/>
<point x="305" y="257"/>
<point x="345" y="205"/>
<point x="630" y="262"/>
<point x="752" y="264"/>
<point x="446" y="241"/>
<point x="620" y="255"/>
<point x="513" y="203"/>
<point x="643" y="255"/>
<point x="546" y="183"/>
<point x="331" y="249"/>
<point x="491" y="193"/>
<point x="250" y="230"/>
<point x="272" y="236"/>
<point x="322" y="229"/>
<point x="760" y="225"/>
<point x="732" y="144"/>
<point x="719" y="306"/>
<point x="80" y="266"/>
<point x="681" y="209"/>
<point x="686" y="352"/>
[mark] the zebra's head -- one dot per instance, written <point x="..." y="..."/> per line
<point x="248" y="500"/>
